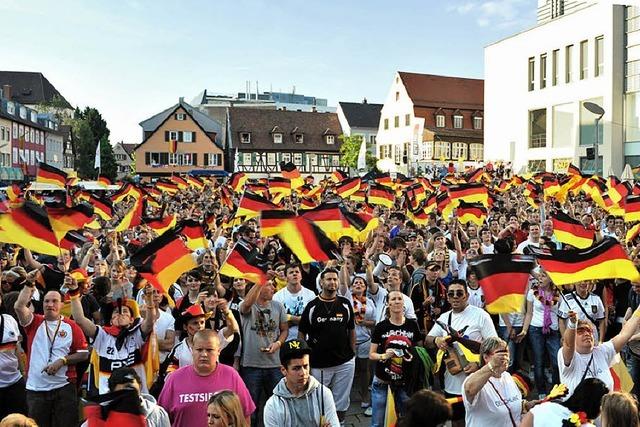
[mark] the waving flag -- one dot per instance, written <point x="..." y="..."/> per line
<point x="570" y="231"/>
<point x="194" y="233"/>
<point x="64" y="219"/>
<point x="291" y="172"/>
<point x="50" y="175"/>
<point x="240" y="263"/>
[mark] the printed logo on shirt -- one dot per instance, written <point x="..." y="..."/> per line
<point x="195" y="397"/>
<point x="62" y="334"/>
<point x="508" y="400"/>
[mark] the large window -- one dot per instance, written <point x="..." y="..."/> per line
<point x="246" y="159"/>
<point x="554" y="67"/>
<point x="543" y="71"/>
<point x="632" y="117"/>
<point x="538" y="128"/>
<point x="476" y="152"/>
<point x="427" y="150"/>
<point x="587" y="124"/>
<point x="564" y="125"/>
<point x="557" y="8"/>
<point x="588" y="166"/>
<point x="277" y="138"/>
<point x="532" y="72"/>
<point x="568" y="63"/>
<point x="297" y="159"/>
<point x="599" y="59"/>
<point x="442" y="150"/>
<point x="271" y="159"/>
<point x="584" y="59"/>
<point x="245" y="137"/>
<point x="459" y="151"/>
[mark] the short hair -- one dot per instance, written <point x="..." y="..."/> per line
<point x="18" y="420"/>
<point x="586" y="397"/>
<point x="489" y="345"/>
<point x="328" y="270"/>
<point x="291" y="265"/>
<point x="419" y="256"/>
<point x="397" y="242"/>
<point x="459" y="282"/>
<point x="206" y="334"/>
<point x="56" y="291"/>
<point x="620" y="409"/>
<point x="425" y="405"/>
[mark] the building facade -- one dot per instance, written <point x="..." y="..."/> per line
<point x="360" y="119"/>
<point x="258" y="140"/>
<point x="54" y="146"/>
<point x="428" y="118"/>
<point x="198" y="144"/>
<point x="67" y="140"/>
<point x="537" y="82"/>
<point x="124" y="155"/>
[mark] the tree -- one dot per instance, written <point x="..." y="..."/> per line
<point x="58" y="107"/>
<point x="109" y="167"/>
<point x="95" y="121"/>
<point x="89" y="128"/>
<point x="350" y="150"/>
<point x="85" y="149"/>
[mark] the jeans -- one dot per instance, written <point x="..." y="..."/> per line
<point x="539" y="342"/>
<point x="515" y="349"/>
<point x="379" y="401"/>
<point x="258" y="380"/>
<point x="54" y="408"/>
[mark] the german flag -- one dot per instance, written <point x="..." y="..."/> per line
<point x="471" y="212"/>
<point x="241" y="264"/>
<point x="104" y="182"/>
<point x="279" y="185"/>
<point x="163" y="260"/>
<point x="470" y="193"/>
<point x="418" y="216"/>
<point x="573" y="169"/>
<point x="50" y="175"/>
<point x="160" y="225"/>
<point x="348" y="187"/>
<point x="167" y="187"/>
<point x="416" y="192"/>
<point x="359" y="196"/>
<point x="257" y="188"/>
<point x="291" y="172"/>
<point x="237" y="181"/>
<point x="194" y="233"/>
<point x="153" y="192"/>
<point x="64" y="219"/>
<point x="474" y="175"/>
<point x="251" y="205"/>
<point x="606" y="260"/>
<point x="14" y="192"/>
<point x="620" y="192"/>
<point x="632" y="233"/>
<point x="180" y="182"/>
<point x="306" y="203"/>
<point x="632" y="208"/>
<point x="328" y="217"/>
<point x="307" y="242"/>
<point x="570" y="231"/>
<point x="431" y="204"/>
<point x="132" y="218"/>
<point x="195" y="182"/>
<point x="310" y="191"/>
<point x="129" y="190"/>
<point x="173" y="146"/>
<point x="445" y="204"/>
<point x="504" y="279"/>
<point x="339" y="176"/>
<point x="226" y="197"/>
<point x="384" y="179"/>
<point x="381" y="195"/>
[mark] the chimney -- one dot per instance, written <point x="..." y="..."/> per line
<point x="364" y="101"/>
<point x="181" y="99"/>
<point x="6" y="92"/>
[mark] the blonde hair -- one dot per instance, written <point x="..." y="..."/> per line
<point x="228" y="402"/>
<point x="17" y="420"/>
<point x="619" y="409"/>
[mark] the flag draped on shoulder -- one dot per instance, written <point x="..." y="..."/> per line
<point x="606" y="260"/>
<point x="570" y="231"/>
<point x="503" y="278"/>
<point x="242" y="263"/>
<point x="48" y="174"/>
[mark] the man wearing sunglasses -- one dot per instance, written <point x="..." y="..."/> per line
<point x="473" y="323"/>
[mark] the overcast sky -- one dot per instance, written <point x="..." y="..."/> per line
<point x="134" y="58"/>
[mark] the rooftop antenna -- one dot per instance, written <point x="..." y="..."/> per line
<point x="294" y="90"/>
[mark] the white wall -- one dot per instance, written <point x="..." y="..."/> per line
<point x="508" y="100"/>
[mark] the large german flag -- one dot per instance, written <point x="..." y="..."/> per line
<point x="279" y="185"/>
<point x="50" y="175"/>
<point x="164" y="260"/>
<point x="306" y="203"/>
<point x="195" y="182"/>
<point x="64" y="219"/>
<point x="347" y="187"/>
<point x="573" y="169"/>
<point x="328" y="217"/>
<point x="471" y="212"/>
<point x="133" y="217"/>
<point x="162" y="224"/>
<point x="339" y="176"/>
<point x="240" y="263"/>
<point x="194" y="233"/>
<point x="237" y="181"/>
<point x="291" y="172"/>
<point x="381" y="195"/>
<point x="258" y="188"/>
<point x="470" y="193"/>
<point x="359" y="196"/>
<point x="167" y="186"/>
<point x="180" y="182"/>
<point x="606" y="260"/>
<point x="632" y="233"/>
<point x="570" y="231"/>
<point x="474" y="175"/>
<point x="129" y="190"/>
<point x="445" y="204"/>
<point x="504" y="279"/>
<point x="251" y="205"/>
<point x="102" y="207"/>
<point x="431" y="204"/>
<point x="418" y="216"/>
<point x="14" y="193"/>
<point x="307" y="242"/>
<point x="632" y="208"/>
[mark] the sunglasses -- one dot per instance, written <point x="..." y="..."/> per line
<point x="455" y="294"/>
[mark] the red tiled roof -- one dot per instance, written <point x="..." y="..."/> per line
<point x="426" y="90"/>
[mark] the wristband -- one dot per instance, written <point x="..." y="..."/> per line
<point x="491" y="368"/>
<point x="64" y="361"/>
<point x="573" y="325"/>
<point x="636" y="313"/>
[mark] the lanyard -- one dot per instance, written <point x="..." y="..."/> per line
<point x="52" y="341"/>
<point x="513" y="422"/>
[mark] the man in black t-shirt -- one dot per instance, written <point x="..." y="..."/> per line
<point x="328" y="322"/>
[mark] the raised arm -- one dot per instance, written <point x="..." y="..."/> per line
<point x="628" y="330"/>
<point x="250" y="298"/>
<point x="24" y="298"/>
<point x="151" y="315"/>
<point x="28" y="257"/>
<point x="232" y="324"/>
<point x="88" y="327"/>
<point x="569" y="338"/>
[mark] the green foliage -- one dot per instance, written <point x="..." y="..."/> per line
<point x="57" y="106"/>
<point x="108" y="160"/>
<point x="350" y="149"/>
<point x="89" y="128"/>
<point x="85" y="149"/>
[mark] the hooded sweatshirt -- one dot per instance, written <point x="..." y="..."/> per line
<point x="283" y="409"/>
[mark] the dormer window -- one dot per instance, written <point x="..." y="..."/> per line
<point x="331" y="139"/>
<point x="181" y="116"/>
<point x="245" y="137"/>
<point x="23" y="113"/>
<point x="11" y="108"/>
<point x="457" y="121"/>
<point x="440" y="120"/>
<point x="298" y="138"/>
<point x="477" y="123"/>
<point x="34" y="117"/>
<point x="277" y="138"/>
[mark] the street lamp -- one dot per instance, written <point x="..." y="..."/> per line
<point x="599" y="112"/>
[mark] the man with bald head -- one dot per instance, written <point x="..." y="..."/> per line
<point x="188" y="389"/>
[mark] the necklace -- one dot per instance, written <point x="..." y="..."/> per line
<point x="52" y="339"/>
<point x="328" y="305"/>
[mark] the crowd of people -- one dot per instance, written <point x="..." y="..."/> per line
<point x="396" y="315"/>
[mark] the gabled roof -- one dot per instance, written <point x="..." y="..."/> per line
<point x="128" y="148"/>
<point x="314" y="125"/>
<point x="361" y="115"/>
<point x="29" y="87"/>
<point x="428" y="90"/>
<point x="206" y="123"/>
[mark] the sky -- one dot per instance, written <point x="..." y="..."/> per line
<point x="131" y="59"/>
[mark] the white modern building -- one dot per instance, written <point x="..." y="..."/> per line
<point x="536" y="83"/>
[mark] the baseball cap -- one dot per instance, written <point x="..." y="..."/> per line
<point x="293" y="349"/>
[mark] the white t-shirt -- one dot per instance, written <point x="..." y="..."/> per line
<point x="537" y="318"/>
<point x="9" y="372"/>
<point x="476" y="297"/>
<point x="478" y="327"/>
<point x="486" y="249"/>
<point x="592" y="305"/>
<point x="551" y="414"/>
<point x="524" y="244"/>
<point x="184" y="355"/>
<point x="571" y="375"/>
<point x="487" y="407"/>
<point x="380" y="301"/>
<point x="164" y="323"/>
<point x="294" y="305"/>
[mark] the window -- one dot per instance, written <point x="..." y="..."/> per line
<point x="27" y="135"/>
<point x="173" y="159"/>
<point x="564" y="125"/>
<point x="532" y="71"/>
<point x="477" y="122"/>
<point x="15" y="130"/>
<point x="476" y="152"/>
<point x="331" y="139"/>
<point x="34" y="117"/>
<point x="173" y="135"/>
<point x="554" y="67"/>
<point x="11" y="108"/>
<point x="584" y="59"/>
<point x="271" y="159"/>
<point x="213" y="160"/>
<point x="335" y="160"/>
<point x="16" y="159"/>
<point x="297" y="159"/>
<point x="407" y="119"/>
<point x="372" y="139"/>
<point x="313" y="159"/>
<point x="286" y="157"/>
<point x="587" y="166"/>
<point x="397" y="155"/>
<point x="538" y="128"/>
<point x="298" y="138"/>
<point x="23" y="113"/>
<point x="32" y="155"/>
<point x="246" y="159"/>
<point x="427" y="150"/>
<point x="457" y="122"/>
<point x="33" y="135"/>
<point x="181" y="116"/>
<point x="245" y="137"/>
<point x="599" y="60"/>
<point x="386" y="124"/>
<point x="543" y="71"/>
<point x="557" y="8"/>
<point x="537" y="165"/>
<point x="459" y="151"/>
<point x="277" y="138"/>
<point x="440" y="120"/>
<point x="396" y="121"/>
<point x="187" y="136"/>
<point x="568" y="63"/>
<point x="397" y="96"/>
<point x="442" y="150"/>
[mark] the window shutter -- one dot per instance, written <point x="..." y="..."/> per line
<point x="194" y="159"/>
<point x="166" y="136"/>
<point x="193" y="137"/>
<point x="179" y="136"/>
<point x="206" y="159"/>
<point x="147" y="158"/>
<point x="164" y="158"/>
